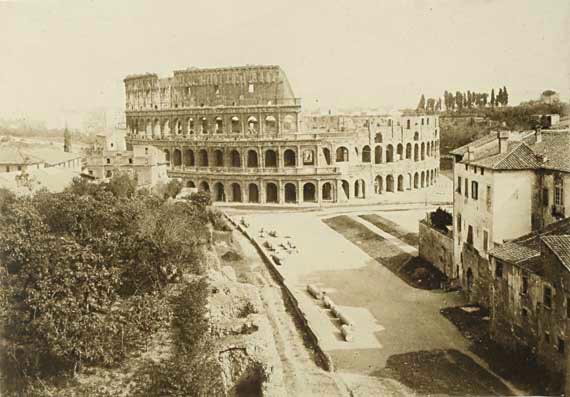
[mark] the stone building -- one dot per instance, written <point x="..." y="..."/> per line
<point x="110" y="155"/>
<point x="238" y="133"/>
<point x="506" y="185"/>
<point x="530" y="294"/>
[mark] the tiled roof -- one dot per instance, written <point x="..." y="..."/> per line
<point x="517" y="157"/>
<point x="14" y="155"/>
<point x="560" y="245"/>
<point x="555" y="146"/>
<point x="476" y="143"/>
<point x="513" y="252"/>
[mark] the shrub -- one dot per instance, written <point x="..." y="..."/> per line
<point x="201" y="199"/>
<point x="440" y="219"/>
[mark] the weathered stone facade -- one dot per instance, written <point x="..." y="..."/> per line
<point x="239" y="134"/>
<point x="436" y="247"/>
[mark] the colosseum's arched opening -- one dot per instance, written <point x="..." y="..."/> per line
<point x="167" y="155"/>
<point x="203" y="158"/>
<point x="378" y="154"/>
<point x="252" y="160"/>
<point x="156" y="128"/>
<point x="218" y="158"/>
<point x="389" y="154"/>
<point x="341" y="154"/>
<point x="389" y="183"/>
<point x="189" y="158"/>
<point x="378" y="184"/>
<point x="423" y="151"/>
<point x="166" y="128"/>
<point x="366" y="154"/>
<point x="204" y="125"/>
<point x="327" y="191"/>
<point x="190" y="184"/>
<point x="177" y="158"/>
<point x="290" y="193"/>
<point x="346" y="189"/>
<point x="178" y="127"/>
<point x="289" y="158"/>
<point x="270" y="125"/>
<point x="400" y="183"/>
<point x="270" y="158"/>
<point x="309" y="192"/>
<point x="416" y="180"/>
<point x="253" y="193"/>
<point x="416" y="152"/>
<point x="271" y="195"/>
<point x="236" y="193"/>
<point x="409" y="151"/>
<point x="219" y="193"/>
<point x="204" y="187"/>
<point x="423" y="179"/>
<point x="190" y="125"/>
<point x="378" y="138"/>
<point x="236" y="126"/>
<point x="327" y="155"/>
<point x="410" y="182"/>
<point x="235" y="159"/>
<point x="252" y="125"/>
<point x="359" y="189"/>
<point x="148" y="128"/>
<point x="400" y="152"/>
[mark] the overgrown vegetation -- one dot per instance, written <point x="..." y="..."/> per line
<point x="83" y="277"/>
<point x="441" y="219"/>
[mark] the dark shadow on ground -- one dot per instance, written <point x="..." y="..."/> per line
<point x="447" y="372"/>
<point x="393" y="228"/>
<point x="413" y="270"/>
<point x="520" y="368"/>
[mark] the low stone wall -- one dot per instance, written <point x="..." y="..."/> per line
<point x="436" y="247"/>
<point x="324" y="360"/>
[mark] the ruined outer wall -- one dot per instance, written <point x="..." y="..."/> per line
<point x="437" y="248"/>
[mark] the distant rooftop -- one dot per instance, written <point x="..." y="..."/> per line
<point x="15" y="155"/>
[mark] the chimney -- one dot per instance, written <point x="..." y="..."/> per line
<point x="470" y="153"/>
<point x="538" y="134"/>
<point x="503" y="141"/>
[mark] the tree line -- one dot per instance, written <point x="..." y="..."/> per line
<point x="464" y="100"/>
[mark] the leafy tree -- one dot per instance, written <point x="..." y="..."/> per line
<point x="122" y="184"/>
<point x="505" y="96"/>
<point x="459" y="100"/>
<point x="173" y="187"/>
<point x="440" y="219"/>
<point x="493" y="97"/>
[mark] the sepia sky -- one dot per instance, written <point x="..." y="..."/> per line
<point x="58" y="55"/>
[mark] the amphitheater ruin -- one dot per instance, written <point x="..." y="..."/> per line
<point x="239" y="133"/>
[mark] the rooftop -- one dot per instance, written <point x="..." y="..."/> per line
<point x="16" y="155"/>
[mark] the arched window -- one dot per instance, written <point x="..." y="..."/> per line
<point x="219" y="125"/>
<point x="341" y="154"/>
<point x="409" y="151"/>
<point x="327" y="155"/>
<point x="203" y="158"/>
<point x="235" y="159"/>
<point x="366" y="154"/>
<point x="219" y="193"/>
<point x="289" y="158"/>
<point x="309" y="192"/>
<point x="378" y="138"/>
<point x="290" y="193"/>
<point x="327" y="191"/>
<point x="400" y="151"/>
<point x="389" y="183"/>
<point x="416" y="136"/>
<point x="190" y="125"/>
<point x="400" y="183"/>
<point x="416" y="180"/>
<point x="378" y="155"/>
<point x="218" y="158"/>
<point x="271" y="193"/>
<point x="270" y="158"/>
<point x="204" y="125"/>
<point x="177" y="158"/>
<point x="189" y="158"/>
<point x="253" y="193"/>
<point x="178" y="127"/>
<point x="252" y="161"/>
<point x="236" y="193"/>
<point x="423" y="179"/>
<point x="236" y="126"/>
<point x="190" y="184"/>
<point x="416" y="152"/>
<point x="359" y="188"/>
<point x="252" y="125"/>
<point x="378" y="184"/>
<point x="270" y="125"/>
<point x="423" y="151"/>
<point x="204" y="187"/>
<point x="389" y="154"/>
<point x="345" y="189"/>
<point x="166" y="155"/>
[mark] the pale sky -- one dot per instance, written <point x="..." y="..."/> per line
<point x="59" y="55"/>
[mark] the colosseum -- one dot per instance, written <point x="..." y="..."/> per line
<point x="238" y="133"/>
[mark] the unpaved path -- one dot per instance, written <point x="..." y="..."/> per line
<point x="301" y="375"/>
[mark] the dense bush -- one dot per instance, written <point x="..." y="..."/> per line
<point x="83" y="272"/>
<point x="440" y="219"/>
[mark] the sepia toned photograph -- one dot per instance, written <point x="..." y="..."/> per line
<point x="295" y="198"/>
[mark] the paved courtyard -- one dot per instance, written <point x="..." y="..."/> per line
<point x="400" y="334"/>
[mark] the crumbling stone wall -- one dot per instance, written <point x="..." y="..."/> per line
<point x="436" y="247"/>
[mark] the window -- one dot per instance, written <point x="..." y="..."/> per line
<point x="459" y="223"/>
<point x="482" y="171"/>
<point x="524" y="287"/>
<point x="485" y="240"/>
<point x="90" y="172"/>
<point x="470" y="234"/>
<point x="19" y="167"/>
<point x="560" y="345"/>
<point x="547" y="297"/>
<point x="108" y="161"/>
<point x="558" y="191"/>
<point x="130" y="161"/>
<point x="459" y="184"/>
<point x="408" y="124"/>
<point x="475" y="169"/>
<point x="250" y="88"/>
<point x="422" y="121"/>
<point x="466" y="167"/>
<point x="474" y="190"/>
<point x="108" y="174"/>
<point x="545" y="197"/>
<point x="466" y="187"/>
<point x="498" y="270"/>
<point x="489" y="198"/>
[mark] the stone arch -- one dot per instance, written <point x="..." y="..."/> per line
<point x="235" y="125"/>
<point x="378" y="154"/>
<point x="408" y="151"/>
<point x="290" y="193"/>
<point x="400" y="183"/>
<point x="177" y="158"/>
<point x="235" y="159"/>
<point x="416" y="180"/>
<point x="327" y="155"/>
<point x="190" y="184"/>
<point x="270" y="124"/>
<point x="416" y="152"/>
<point x="289" y="158"/>
<point x="156" y="127"/>
<point x="166" y="127"/>
<point x="345" y="188"/>
<point x="167" y="155"/>
<point x="400" y="151"/>
<point x="218" y="125"/>
<point x="252" y="125"/>
<point x="359" y="188"/>
<point x="378" y="184"/>
<point x="416" y="136"/>
<point x="309" y="192"/>
<point x="190" y="127"/>
<point x="148" y="127"/>
<point x="204" y="187"/>
<point x="423" y="151"/>
<point x="236" y="192"/>
<point x="219" y="192"/>
<point x="189" y="160"/>
<point x="327" y="191"/>
<point x="366" y="154"/>
<point x="252" y="159"/>
<point x="203" y="157"/>
<point x="378" y="138"/>
<point x="410" y="182"/>
<point x="389" y="153"/>
<point x="218" y="158"/>
<point x="423" y="179"/>
<point x="253" y="193"/>
<point x="178" y="127"/>
<point x="389" y="183"/>
<point x="270" y="158"/>
<point x="271" y="194"/>
<point x="341" y="154"/>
